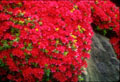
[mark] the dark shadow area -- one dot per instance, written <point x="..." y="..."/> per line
<point x="117" y="2"/>
<point x="109" y="33"/>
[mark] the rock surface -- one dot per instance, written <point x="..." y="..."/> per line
<point x="103" y="66"/>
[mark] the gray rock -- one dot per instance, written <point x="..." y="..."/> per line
<point x="103" y="66"/>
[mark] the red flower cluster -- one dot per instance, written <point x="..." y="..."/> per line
<point x="50" y="40"/>
<point x="44" y="39"/>
<point x="106" y="16"/>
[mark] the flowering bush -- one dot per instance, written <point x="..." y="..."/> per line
<point x="50" y="40"/>
<point x="106" y="16"/>
<point x="44" y="40"/>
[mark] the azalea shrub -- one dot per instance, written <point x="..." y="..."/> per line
<point x="44" y="40"/>
<point x="49" y="41"/>
<point x="106" y="16"/>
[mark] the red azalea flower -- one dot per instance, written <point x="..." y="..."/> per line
<point x="18" y="53"/>
<point x="11" y="65"/>
<point x="60" y="77"/>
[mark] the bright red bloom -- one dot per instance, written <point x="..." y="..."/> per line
<point x="18" y="53"/>
<point x="53" y="35"/>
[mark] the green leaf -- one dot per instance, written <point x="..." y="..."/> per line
<point x="52" y="65"/>
<point x="37" y="80"/>
<point x="20" y="71"/>
<point x="50" y="57"/>
<point x="47" y="72"/>
<point x="40" y="23"/>
<point x="65" y="53"/>
<point x="55" y="51"/>
<point x="46" y="65"/>
<point x="1" y="48"/>
<point x="98" y="28"/>
<point x="75" y="6"/>
<point x="33" y="26"/>
<point x="92" y="9"/>
<point x="80" y="78"/>
<point x="46" y="51"/>
<point x="17" y="39"/>
<point x="26" y="59"/>
<point x="30" y="44"/>
<point x="0" y="61"/>
<point x="15" y="30"/>
<point x="85" y="42"/>
<point x="21" y="22"/>
<point x="4" y="41"/>
<point x="5" y="45"/>
<point x="20" y="14"/>
<point x="23" y="48"/>
<point x="29" y="47"/>
<point x="11" y="19"/>
<point x="46" y="77"/>
<point x="20" y="4"/>
<point x="11" y="55"/>
<point x="110" y="28"/>
<point x="17" y="34"/>
<point x="104" y="32"/>
<point x="34" y="64"/>
<point x="5" y="57"/>
<point x="2" y="64"/>
<point x="10" y="13"/>
<point x="89" y="51"/>
<point x="11" y="42"/>
<point x="73" y="47"/>
<point x="25" y="43"/>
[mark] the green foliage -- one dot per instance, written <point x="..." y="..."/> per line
<point x="55" y="51"/>
<point x="2" y="64"/>
<point x="80" y="78"/>
<point x="46" y="77"/>
<point x="1" y="48"/>
<point x="34" y="64"/>
<point x="110" y="28"/>
<point x="65" y="53"/>
<point x="104" y="32"/>
<point x="29" y="47"/>
<point x="5" y="45"/>
<point x="98" y="28"/>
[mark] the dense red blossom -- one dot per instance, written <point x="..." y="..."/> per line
<point x="46" y="40"/>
